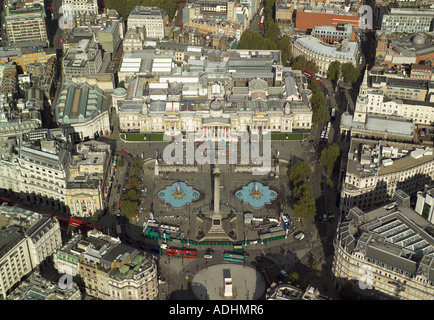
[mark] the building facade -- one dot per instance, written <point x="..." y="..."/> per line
<point x="324" y="54"/>
<point x="153" y="19"/>
<point x="240" y="90"/>
<point x="109" y="269"/>
<point x="408" y="20"/>
<point x="82" y="7"/>
<point x="385" y="253"/>
<point x="425" y="204"/>
<point x="376" y="169"/>
<point x="83" y="59"/>
<point x="401" y="98"/>
<point x="26" y="24"/>
<point x="83" y="110"/>
<point x="27" y="240"/>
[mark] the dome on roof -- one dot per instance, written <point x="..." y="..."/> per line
<point x="216" y="105"/>
<point x="119" y="91"/>
<point x="419" y="39"/>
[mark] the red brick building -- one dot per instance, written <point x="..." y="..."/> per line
<point x="308" y="20"/>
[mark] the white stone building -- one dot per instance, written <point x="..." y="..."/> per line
<point x="376" y="169"/>
<point x="324" y="54"/>
<point x="385" y="253"/>
<point x="28" y="240"/>
<point x="153" y="19"/>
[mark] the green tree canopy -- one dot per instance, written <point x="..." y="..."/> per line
<point x="328" y="158"/>
<point x="305" y="207"/>
<point x="131" y="195"/>
<point x="272" y="30"/>
<point x="132" y="183"/>
<point x="95" y="217"/>
<point x="350" y="73"/>
<point x="302" y="63"/>
<point x="334" y="71"/>
<point x="319" y="104"/>
<point x="129" y="208"/>
<point x="299" y="172"/>
<point x="254" y="41"/>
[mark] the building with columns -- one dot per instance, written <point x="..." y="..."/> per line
<point x="51" y="174"/>
<point x="376" y="100"/>
<point x="213" y="90"/>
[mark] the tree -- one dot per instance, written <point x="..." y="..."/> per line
<point x="284" y="45"/>
<point x="302" y="63"/>
<point x="131" y="195"/>
<point x="121" y="84"/>
<point x="299" y="63"/>
<point x="272" y="30"/>
<point x="95" y="217"/>
<point x="132" y="183"/>
<point x="251" y="40"/>
<point x="294" y="278"/>
<point x="311" y="66"/>
<point x="320" y="114"/>
<point x="305" y="207"/>
<point x="350" y="73"/>
<point x="328" y="158"/>
<point x="334" y="71"/>
<point x="299" y="172"/>
<point x="302" y="190"/>
<point x="129" y="208"/>
<point x="120" y="163"/>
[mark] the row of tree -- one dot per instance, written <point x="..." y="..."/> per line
<point x="328" y="159"/>
<point x="305" y="206"/>
<point x="131" y="198"/>
<point x="348" y="71"/>
<point x="271" y="40"/>
<point x="320" y="113"/>
<point x="302" y="63"/>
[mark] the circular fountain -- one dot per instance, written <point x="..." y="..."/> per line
<point x="256" y="194"/>
<point x="178" y="194"/>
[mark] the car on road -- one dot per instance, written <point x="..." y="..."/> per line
<point x="123" y="151"/>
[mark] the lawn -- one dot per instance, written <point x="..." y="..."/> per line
<point x="290" y="136"/>
<point x="141" y="136"/>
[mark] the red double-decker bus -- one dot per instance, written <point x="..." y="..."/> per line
<point x="77" y="223"/>
<point x="188" y="253"/>
<point x="172" y="251"/>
